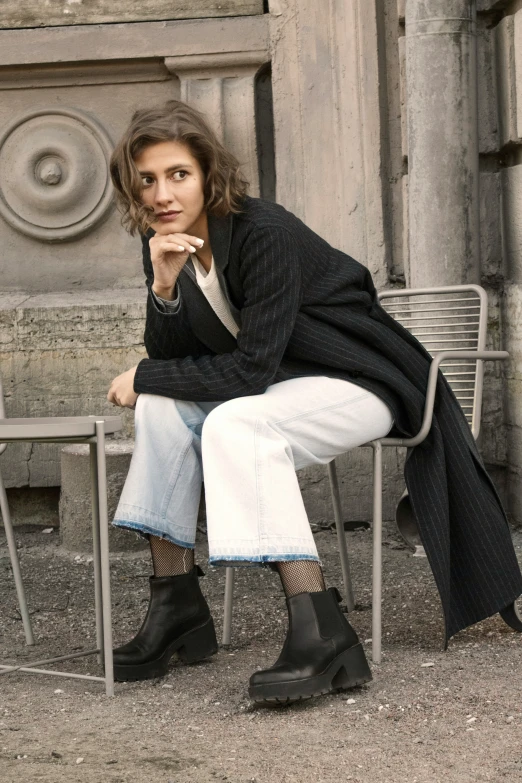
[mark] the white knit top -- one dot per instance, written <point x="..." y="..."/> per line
<point x="209" y="284"/>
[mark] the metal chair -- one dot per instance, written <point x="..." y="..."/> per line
<point x="451" y="323"/>
<point x="77" y="429"/>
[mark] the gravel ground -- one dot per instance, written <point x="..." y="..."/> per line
<point x="428" y="715"/>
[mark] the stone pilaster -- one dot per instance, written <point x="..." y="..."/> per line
<point x="223" y="87"/>
<point x="327" y="88"/>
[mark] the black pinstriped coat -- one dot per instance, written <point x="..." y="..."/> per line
<point x="305" y="308"/>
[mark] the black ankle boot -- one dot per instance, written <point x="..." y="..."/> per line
<point x="178" y="620"/>
<point x="321" y="653"/>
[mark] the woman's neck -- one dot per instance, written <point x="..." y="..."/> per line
<point x="200" y="229"/>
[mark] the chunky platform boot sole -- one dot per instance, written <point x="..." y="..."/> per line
<point x="195" y="645"/>
<point x="348" y="670"/>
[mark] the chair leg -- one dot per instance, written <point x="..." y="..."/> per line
<point x="229" y="598"/>
<point x="96" y="552"/>
<point x="341" y="535"/>
<point x="377" y="552"/>
<point x="15" y="565"/>
<point x="104" y="556"/>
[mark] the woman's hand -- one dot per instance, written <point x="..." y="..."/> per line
<point x="122" y="390"/>
<point x="169" y="254"/>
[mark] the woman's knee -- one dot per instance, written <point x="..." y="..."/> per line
<point x="156" y="412"/>
<point x="239" y="412"/>
<point x="151" y="406"/>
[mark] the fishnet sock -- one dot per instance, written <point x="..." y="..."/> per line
<point x="301" y="576"/>
<point x="169" y="559"/>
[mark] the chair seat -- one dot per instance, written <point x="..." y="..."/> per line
<point x="56" y="428"/>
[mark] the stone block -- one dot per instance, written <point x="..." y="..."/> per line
<point x="75" y="498"/>
<point x="58" y="355"/>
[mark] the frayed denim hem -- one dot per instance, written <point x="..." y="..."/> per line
<point x="146" y="531"/>
<point x="258" y="561"/>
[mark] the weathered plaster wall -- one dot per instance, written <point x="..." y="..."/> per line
<point x="58" y="353"/>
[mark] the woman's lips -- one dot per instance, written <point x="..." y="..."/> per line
<point x="167" y="217"/>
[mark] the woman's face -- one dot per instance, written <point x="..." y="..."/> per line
<point x="173" y="184"/>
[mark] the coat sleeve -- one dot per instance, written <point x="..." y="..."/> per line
<point x="168" y="334"/>
<point x="271" y="278"/>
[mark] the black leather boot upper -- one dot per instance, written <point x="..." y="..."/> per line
<point x="176" y="607"/>
<point x="318" y="632"/>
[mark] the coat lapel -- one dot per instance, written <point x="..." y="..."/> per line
<point x="204" y="322"/>
<point x="220" y="233"/>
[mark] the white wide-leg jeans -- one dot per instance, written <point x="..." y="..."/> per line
<point x="247" y="451"/>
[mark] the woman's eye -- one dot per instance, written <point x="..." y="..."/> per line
<point x="146" y="181"/>
<point x="179" y="175"/>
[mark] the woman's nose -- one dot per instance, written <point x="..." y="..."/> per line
<point x="162" y="193"/>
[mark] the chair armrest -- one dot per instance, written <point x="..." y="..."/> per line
<point x="438" y="359"/>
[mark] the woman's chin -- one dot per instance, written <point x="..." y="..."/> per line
<point x="160" y="227"/>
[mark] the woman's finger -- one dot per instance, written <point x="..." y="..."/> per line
<point x="193" y="240"/>
<point x="174" y="246"/>
<point x="185" y="240"/>
<point x="112" y="397"/>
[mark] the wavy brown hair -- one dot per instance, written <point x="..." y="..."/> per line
<point x="224" y="186"/>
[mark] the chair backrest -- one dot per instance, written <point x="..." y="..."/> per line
<point x="446" y="319"/>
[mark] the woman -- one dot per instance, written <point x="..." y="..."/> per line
<point x="268" y="352"/>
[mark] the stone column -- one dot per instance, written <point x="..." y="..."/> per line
<point x="223" y="87"/>
<point x="442" y="142"/>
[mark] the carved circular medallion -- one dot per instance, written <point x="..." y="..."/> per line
<point x="54" y="175"/>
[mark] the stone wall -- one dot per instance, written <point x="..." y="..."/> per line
<point x="501" y="163"/>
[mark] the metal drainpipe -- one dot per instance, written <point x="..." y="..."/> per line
<point x="443" y="161"/>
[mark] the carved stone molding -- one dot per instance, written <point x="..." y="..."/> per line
<point x="88" y="43"/>
<point x="66" y="74"/>
<point x="54" y="177"/>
